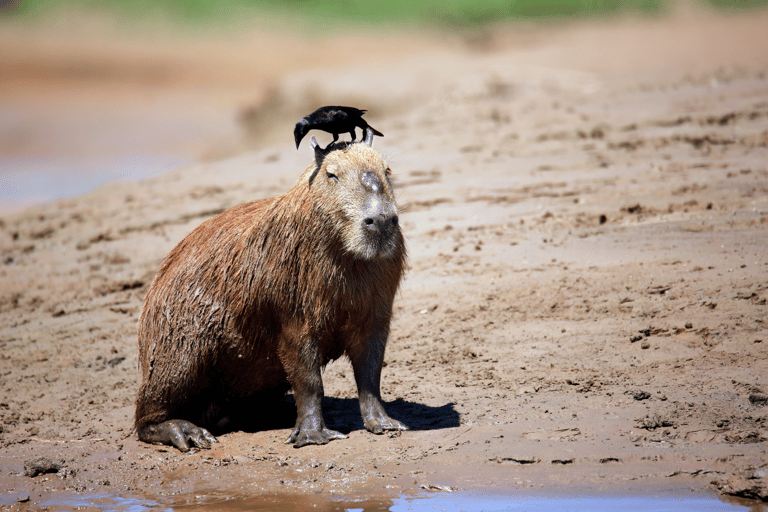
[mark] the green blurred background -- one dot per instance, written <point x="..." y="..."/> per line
<point x="437" y="12"/>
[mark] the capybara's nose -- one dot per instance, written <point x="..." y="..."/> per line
<point x="380" y="221"/>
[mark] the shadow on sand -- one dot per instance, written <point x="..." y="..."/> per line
<point x="343" y="414"/>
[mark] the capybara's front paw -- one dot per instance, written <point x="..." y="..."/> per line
<point x="179" y="433"/>
<point x="379" y="424"/>
<point x="302" y="437"/>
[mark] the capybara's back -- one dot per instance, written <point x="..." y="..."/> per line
<point x="258" y="299"/>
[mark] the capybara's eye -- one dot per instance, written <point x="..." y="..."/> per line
<point x="388" y="171"/>
<point x="332" y="176"/>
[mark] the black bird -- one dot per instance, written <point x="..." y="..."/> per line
<point x="333" y="120"/>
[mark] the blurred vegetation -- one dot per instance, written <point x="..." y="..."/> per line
<point x="435" y="12"/>
<point x="737" y="4"/>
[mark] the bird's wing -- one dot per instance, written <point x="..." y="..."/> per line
<point x="352" y="111"/>
<point x="339" y="115"/>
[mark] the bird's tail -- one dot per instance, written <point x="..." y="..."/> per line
<point x="375" y="131"/>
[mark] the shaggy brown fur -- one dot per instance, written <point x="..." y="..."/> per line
<point x="258" y="299"/>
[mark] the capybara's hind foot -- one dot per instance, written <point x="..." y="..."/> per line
<point x="179" y="433"/>
<point x="302" y="437"/>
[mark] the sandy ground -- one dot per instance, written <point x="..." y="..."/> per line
<point x="586" y="210"/>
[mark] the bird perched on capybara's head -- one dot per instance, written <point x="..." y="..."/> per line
<point x="258" y="299"/>
<point x="334" y="120"/>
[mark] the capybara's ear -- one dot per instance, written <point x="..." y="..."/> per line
<point x="319" y="152"/>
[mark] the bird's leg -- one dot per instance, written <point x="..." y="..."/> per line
<point x="352" y="133"/>
<point x="368" y="136"/>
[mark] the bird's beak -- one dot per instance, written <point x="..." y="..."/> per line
<point x="298" y="134"/>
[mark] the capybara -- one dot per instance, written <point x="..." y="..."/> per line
<point x="258" y="299"/>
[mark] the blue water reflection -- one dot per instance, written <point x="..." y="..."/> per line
<point x="476" y="502"/>
<point x="433" y="502"/>
<point x="28" y="181"/>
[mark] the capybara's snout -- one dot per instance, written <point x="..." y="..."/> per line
<point x="379" y="211"/>
<point x="379" y="220"/>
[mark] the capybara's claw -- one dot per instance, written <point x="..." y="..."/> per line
<point x="179" y="433"/>
<point x="202" y="438"/>
<point x="292" y="437"/>
<point x="301" y="438"/>
<point x="379" y="425"/>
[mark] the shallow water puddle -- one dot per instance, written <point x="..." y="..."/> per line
<point x="29" y="181"/>
<point x="474" y="502"/>
<point x="442" y="502"/>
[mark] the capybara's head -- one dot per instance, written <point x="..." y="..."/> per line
<point x="353" y="182"/>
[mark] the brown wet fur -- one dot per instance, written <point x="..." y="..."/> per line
<point x="257" y="299"/>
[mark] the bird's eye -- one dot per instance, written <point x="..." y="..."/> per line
<point x="332" y="176"/>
